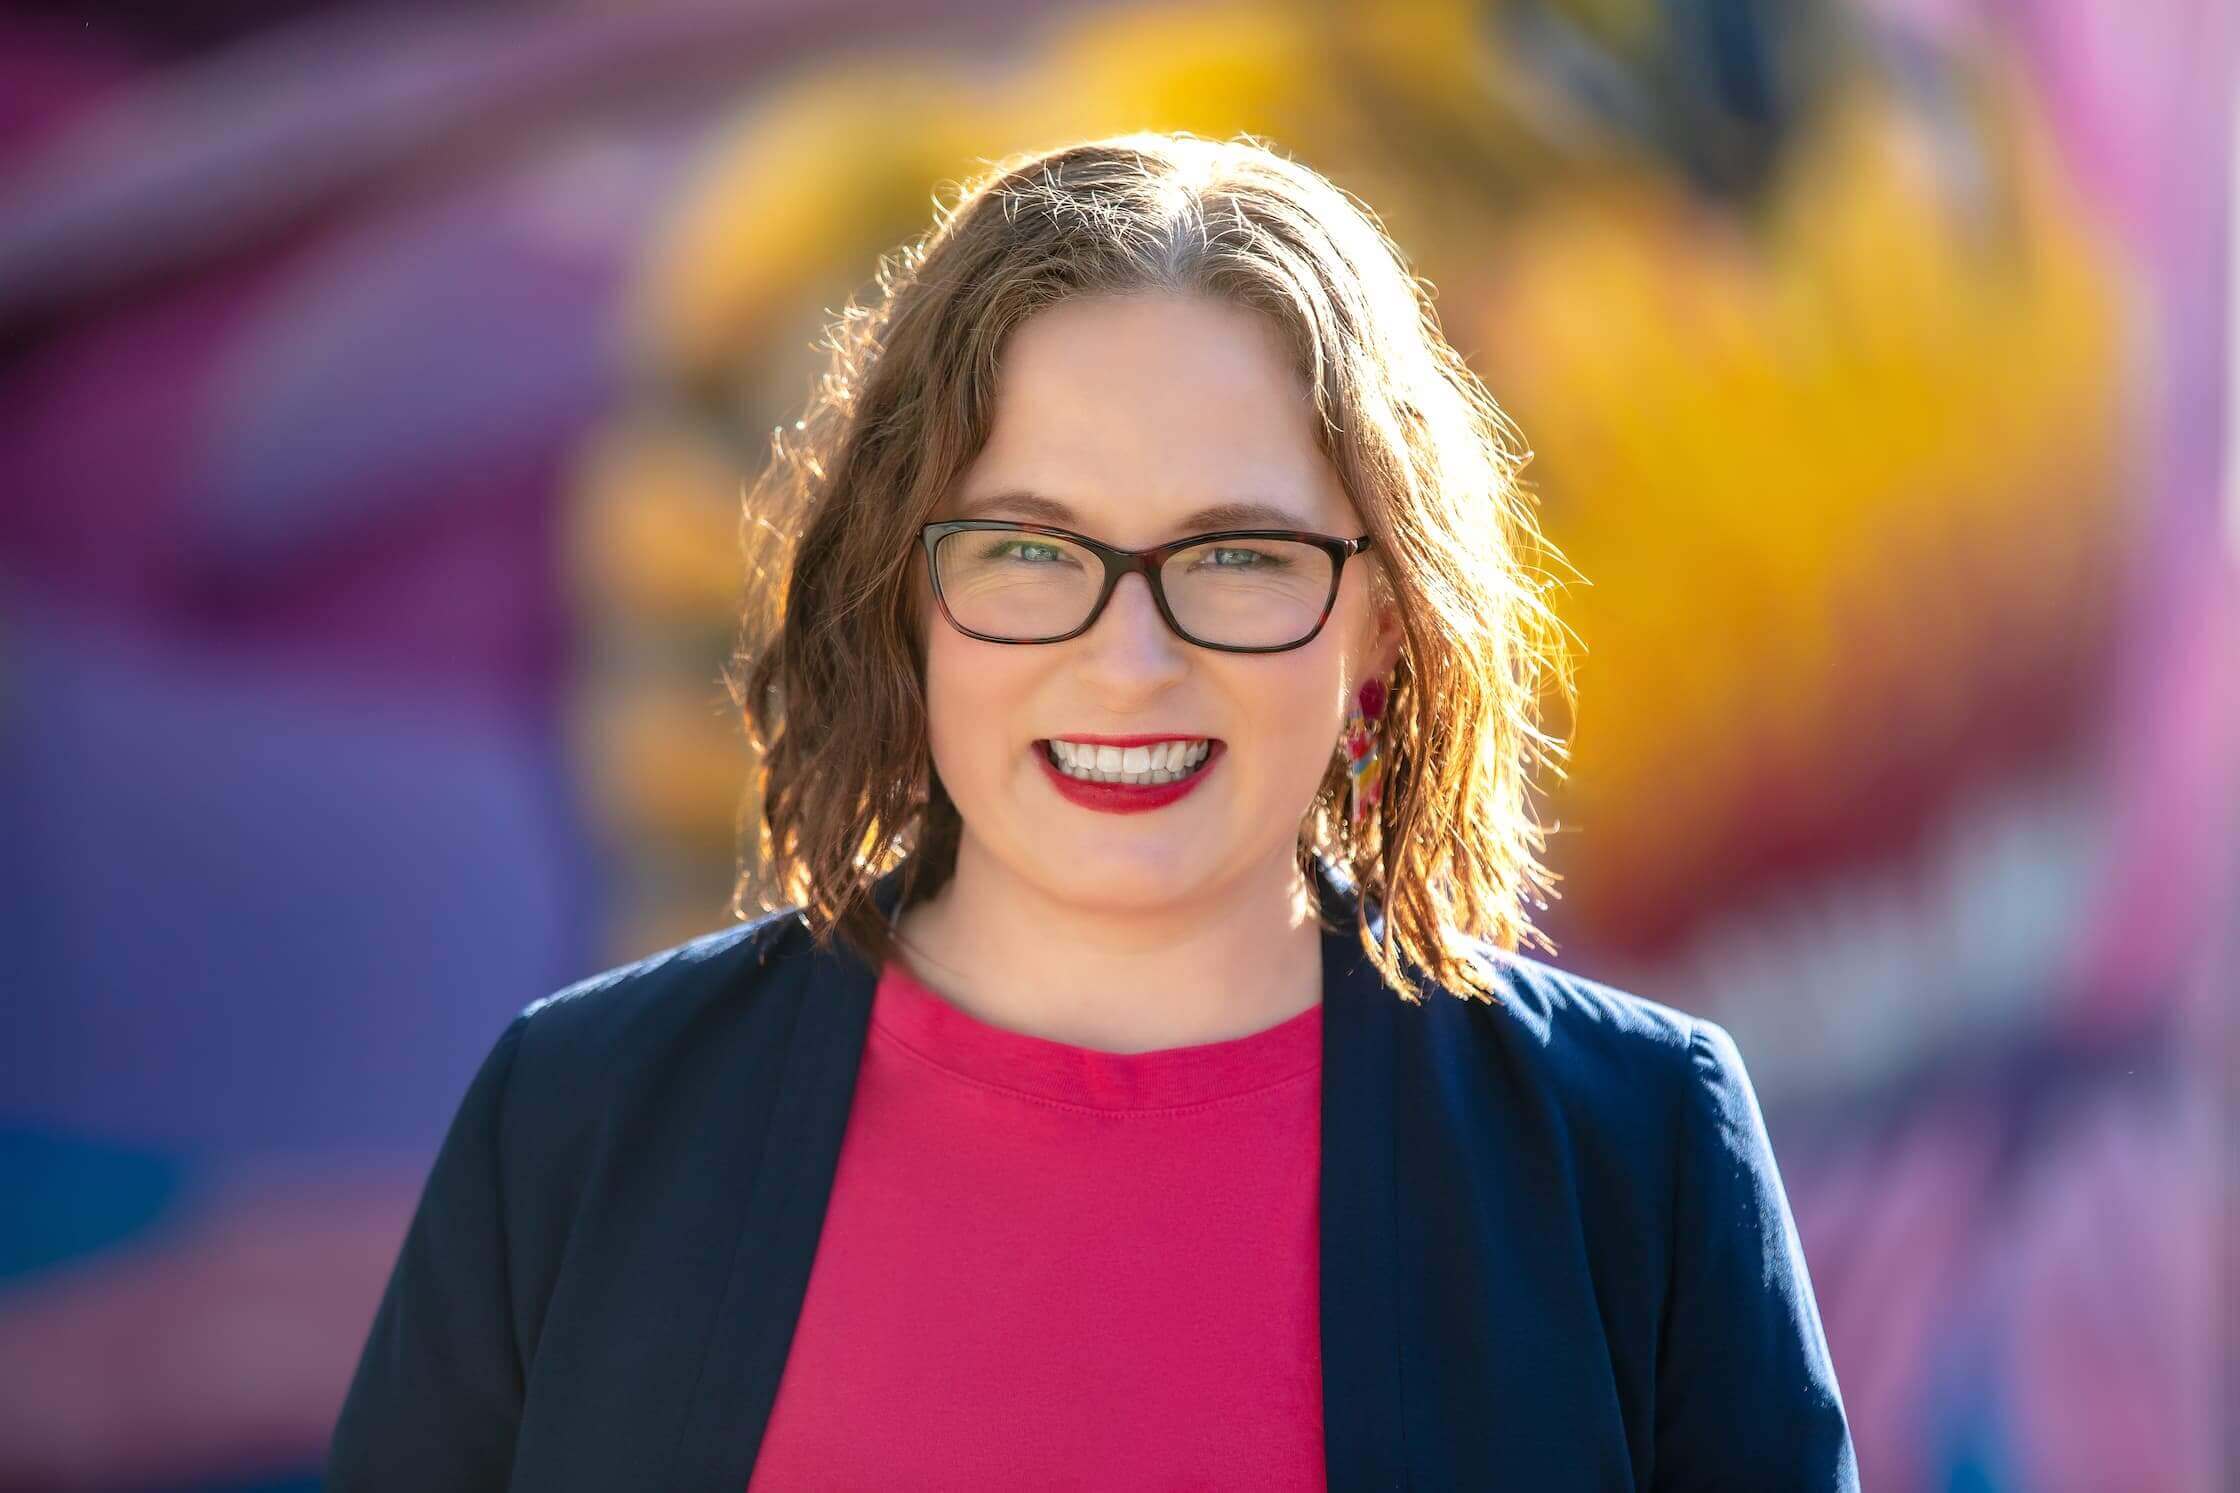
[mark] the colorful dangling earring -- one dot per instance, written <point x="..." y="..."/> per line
<point x="1364" y="752"/>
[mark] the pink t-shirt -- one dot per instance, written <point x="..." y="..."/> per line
<point x="1045" y="1266"/>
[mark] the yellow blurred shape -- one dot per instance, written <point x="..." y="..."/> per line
<point x="654" y="526"/>
<point x="665" y="761"/>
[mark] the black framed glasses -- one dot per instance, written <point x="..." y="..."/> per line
<point x="1237" y="590"/>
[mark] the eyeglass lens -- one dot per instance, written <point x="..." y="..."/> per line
<point x="1237" y="593"/>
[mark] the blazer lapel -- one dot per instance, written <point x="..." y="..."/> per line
<point x="1361" y="1307"/>
<point x="792" y="1186"/>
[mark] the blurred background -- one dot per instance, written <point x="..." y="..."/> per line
<point x="376" y="388"/>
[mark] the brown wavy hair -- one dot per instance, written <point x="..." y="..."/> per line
<point x="828" y="670"/>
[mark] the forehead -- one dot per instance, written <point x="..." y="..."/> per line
<point x="1136" y="412"/>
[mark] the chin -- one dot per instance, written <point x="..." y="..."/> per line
<point x="1114" y="878"/>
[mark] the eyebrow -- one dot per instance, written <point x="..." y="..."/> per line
<point x="1242" y="514"/>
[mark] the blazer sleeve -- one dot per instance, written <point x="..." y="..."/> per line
<point x="437" y="1393"/>
<point x="1746" y="1392"/>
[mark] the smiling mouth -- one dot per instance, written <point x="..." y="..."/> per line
<point x="1150" y="777"/>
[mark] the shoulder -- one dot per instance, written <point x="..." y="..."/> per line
<point x="1572" y="1024"/>
<point x="1625" y="1068"/>
<point x="670" y="983"/>
<point x="615" y="1037"/>
<point x="1624" y="1082"/>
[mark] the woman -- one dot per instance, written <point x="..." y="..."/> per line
<point x="1139" y="1085"/>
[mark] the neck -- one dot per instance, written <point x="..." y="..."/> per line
<point x="1220" y="963"/>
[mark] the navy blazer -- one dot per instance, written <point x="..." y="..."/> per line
<point x="1556" y="1253"/>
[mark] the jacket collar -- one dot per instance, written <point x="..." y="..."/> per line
<point x="831" y="997"/>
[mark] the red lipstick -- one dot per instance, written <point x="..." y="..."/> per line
<point x="1124" y="798"/>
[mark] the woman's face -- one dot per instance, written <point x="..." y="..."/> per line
<point x="1133" y="414"/>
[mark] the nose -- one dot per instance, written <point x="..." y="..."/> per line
<point x="1132" y="640"/>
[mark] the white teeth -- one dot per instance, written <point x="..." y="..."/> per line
<point x="1164" y="763"/>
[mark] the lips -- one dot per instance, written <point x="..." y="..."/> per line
<point x="1126" y="798"/>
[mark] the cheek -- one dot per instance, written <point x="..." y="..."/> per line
<point x="1288" y="715"/>
<point x="946" y="681"/>
<point x="971" y="703"/>
<point x="945" y="675"/>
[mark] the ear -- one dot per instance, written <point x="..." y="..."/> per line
<point x="1384" y="649"/>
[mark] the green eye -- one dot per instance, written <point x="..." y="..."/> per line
<point x="1252" y="559"/>
<point x="1006" y="549"/>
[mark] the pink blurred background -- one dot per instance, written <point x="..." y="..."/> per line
<point x="378" y="385"/>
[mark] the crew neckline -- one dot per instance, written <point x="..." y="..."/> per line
<point x="910" y="1012"/>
